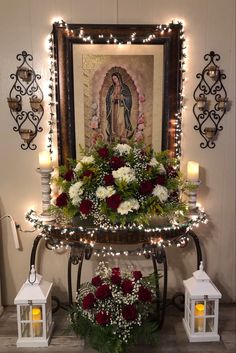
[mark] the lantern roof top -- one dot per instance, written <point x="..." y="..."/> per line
<point x="200" y="285"/>
<point x="201" y="275"/>
<point x="33" y="291"/>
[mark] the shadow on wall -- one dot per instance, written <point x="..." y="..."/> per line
<point x="6" y="241"/>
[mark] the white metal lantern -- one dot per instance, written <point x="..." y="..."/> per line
<point x="201" y="308"/>
<point x="34" y="312"/>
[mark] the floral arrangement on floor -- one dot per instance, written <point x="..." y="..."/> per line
<point x="111" y="311"/>
<point x="120" y="184"/>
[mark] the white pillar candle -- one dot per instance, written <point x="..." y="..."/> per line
<point x="193" y="171"/>
<point x="45" y="160"/>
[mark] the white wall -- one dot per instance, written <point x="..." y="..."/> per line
<point x="209" y="25"/>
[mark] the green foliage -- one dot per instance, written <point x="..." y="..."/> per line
<point x="103" y="339"/>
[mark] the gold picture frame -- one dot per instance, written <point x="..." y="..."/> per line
<point x="147" y="60"/>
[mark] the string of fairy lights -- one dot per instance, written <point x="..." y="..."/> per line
<point x="51" y="94"/>
<point x="65" y="235"/>
<point x="175" y="123"/>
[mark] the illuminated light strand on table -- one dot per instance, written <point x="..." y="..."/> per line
<point x="193" y="221"/>
<point x="110" y="251"/>
<point x="32" y="217"/>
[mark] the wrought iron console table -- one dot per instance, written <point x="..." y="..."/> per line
<point x="151" y="242"/>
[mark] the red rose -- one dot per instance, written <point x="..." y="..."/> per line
<point x="88" y="173"/>
<point x="103" y="152"/>
<point x="96" y="281"/>
<point x="103" y="292"/>
<point x="108" y="180"/>
<point x="144" y="294"/>
<point x="115" y="271"/>
<point x="116" y="279"/>
<point x="143" y="153"/>
<point x="146" y="187"/>
<point x="85" y="206"/>
<point x="129" y="312"/>
<point x="127" y="286"/>
<point x="113" y="201"/>
<point x="62" y="200"/>
<point x="171" y="172"/>
<point x="88" y="301"/>
<point x="116" y="162"/>
<point x="137" y="275"/>
<point x="160" y="180"/>
<point x="68" y="176"/>
<point x="102" y="318"/>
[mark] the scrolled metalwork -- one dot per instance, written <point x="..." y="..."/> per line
<point x="26" y="84"/>
<point x="210" y="100"/>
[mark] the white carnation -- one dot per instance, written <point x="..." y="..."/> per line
<point x="161" y="192"/>
<point x="87" y="160"/>
<point x="154" y="163"/>
<point x="78" y="167"/>
<point x="126" y="174"/>
<point x="104" y="192"/>
<point x="161" y="168"/>
<point x="75" y="191"/>
<point x="84" y="160"/>
<point x="122" y="148"/>
<point x="128" y="206"/>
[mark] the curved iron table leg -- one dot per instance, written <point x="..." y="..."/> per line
<point x="34" y="250"/>
<point x="197" y="245"/>
<point x="159" y="257"/>
<point x="77" y="254"/>
<point x="79" y="274"/>
<point x="69" y="284"/>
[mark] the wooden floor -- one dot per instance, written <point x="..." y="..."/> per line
<point x="172" y="338"/>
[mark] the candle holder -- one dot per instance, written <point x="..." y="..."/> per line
<point x="46" y="197"/>
<point x="192" y="196"/>
<point x="211" y="101"/>
<point x="26" y="88"/>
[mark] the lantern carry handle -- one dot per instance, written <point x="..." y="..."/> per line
<point x="32" y="275"/>
<point x="201" y="266"/>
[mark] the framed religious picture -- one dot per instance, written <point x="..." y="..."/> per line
<point x="116" y="83"/>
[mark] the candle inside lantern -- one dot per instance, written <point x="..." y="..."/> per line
<point x="199" y="321"/>
<point x="45" y="160"/>
<point x="193" y="171"/>
<point x="36" y="316"/>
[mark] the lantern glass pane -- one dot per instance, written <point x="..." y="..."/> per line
<point x="24" y="312"/>
<point x="37" y="323"/>
<point x="37" y="328"/>
<point x="25" y="329"/>
<point x="209" y="324"/>
<point x="210" y="307"/>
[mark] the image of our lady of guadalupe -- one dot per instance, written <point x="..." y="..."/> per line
<point x="118" y="110"/>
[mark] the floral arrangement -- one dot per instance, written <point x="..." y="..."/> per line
<point x="120" y="184"/>
<point x="111" y="311"/>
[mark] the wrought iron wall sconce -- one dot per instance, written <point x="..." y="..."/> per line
<point x="26" y="84"/>
<point x="211" y="101"/>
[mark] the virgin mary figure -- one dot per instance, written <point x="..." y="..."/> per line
<point x="118" y="110"/>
